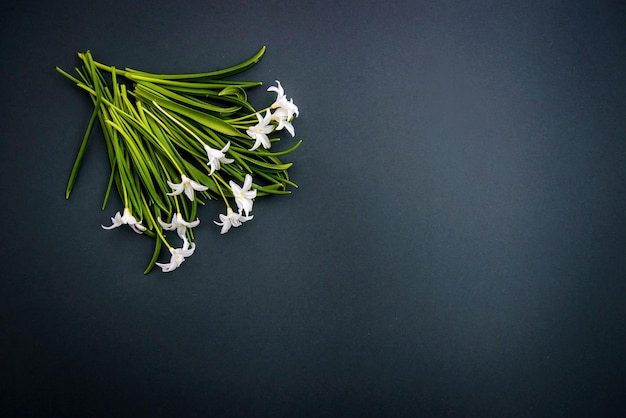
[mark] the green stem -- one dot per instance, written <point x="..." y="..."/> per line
<point x="214" y="176"/>
<point x="157" y="229"/>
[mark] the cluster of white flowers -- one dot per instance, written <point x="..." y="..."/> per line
<point x="282" y="117"/>
<point x="284" y="113"/>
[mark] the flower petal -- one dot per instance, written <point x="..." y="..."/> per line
<point x="247" y="182"/>
<point x="189" y="192"/>
<point x="198" y="186"/>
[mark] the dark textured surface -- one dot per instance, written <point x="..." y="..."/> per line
<point x="456" y="246"/>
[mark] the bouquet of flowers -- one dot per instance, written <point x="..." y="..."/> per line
<point x="177" y="140"/>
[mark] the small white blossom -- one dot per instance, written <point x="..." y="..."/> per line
<point x="186" y="185"/>
<point x="179" y="224"/>
<point x="281" y="115"/>
<point x="231" y="219"/>
<point x="178" y="257"/>
<point x="126" y="219"/>
<point x="259" y="131"/>
<point x="217" y="156"/>
<point x="243" y="195"/>
<point x="281" y="102"/>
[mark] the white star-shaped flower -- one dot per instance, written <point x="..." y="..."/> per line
<point x="259" y="131"/>
<point x="231" y="219"/>
<point x="217" y="156"/>
<point x="281" y="102"/>
<point x="126" y="219"/>
<point x="179" y="224"/>
<point x="243" y="195"/>
<point x="178" y="257"/>
<point x="186" y="185"/>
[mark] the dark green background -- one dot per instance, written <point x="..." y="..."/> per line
<point x="456" y="246"/>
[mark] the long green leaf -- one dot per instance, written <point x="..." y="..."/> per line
<point x="81" y="150"/>
<point x="205" y="119"/>
<point x="210" y="75"/>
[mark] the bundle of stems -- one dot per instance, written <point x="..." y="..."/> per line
<point x="172" y="134"/>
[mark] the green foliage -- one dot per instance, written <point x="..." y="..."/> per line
<point x="156" y="128"/>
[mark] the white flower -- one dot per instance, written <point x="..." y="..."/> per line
<point x="259" y="131"/>
<point x="217" y="156"/>
<point x="127" y="219"/>
<point x="178" y="257"/>
<point x="187" y="185"/>
<point x="231" y="219"/>
<point x="281" y="115"/>
<point x="280" y="94"/>
<point x="179" y="224"/>
<point x="243" y="195"/>
<point x="281" y="102"/>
